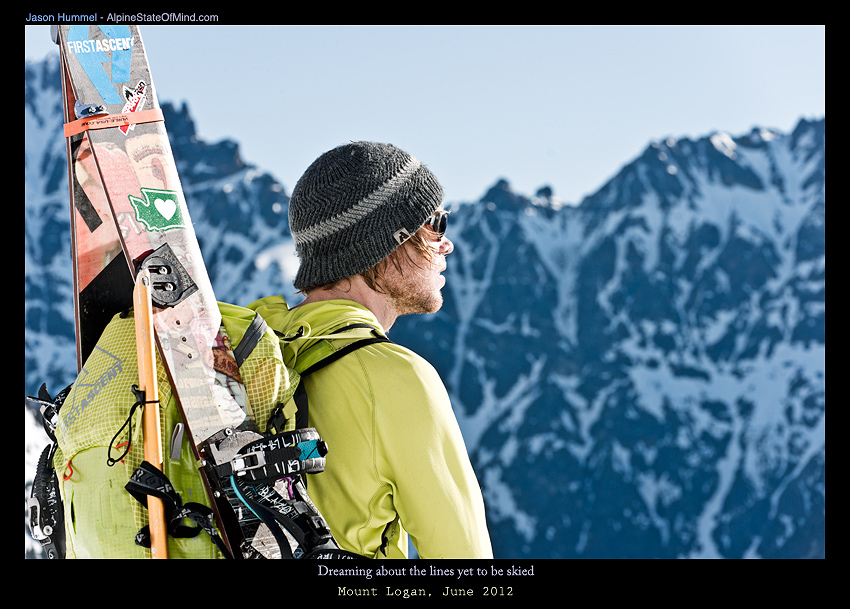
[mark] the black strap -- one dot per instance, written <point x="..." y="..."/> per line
<point x="140" y="400"/>
<point x="302" y="418"/>
<point x="343" y="352"/>
<point x="297" y="516"/>
<point x="250" y="339"/>
<point x="268" y="458"/>
<point x="300" y="396"/>
<point x="147" y="480"/>
<point x="385" y="536"/>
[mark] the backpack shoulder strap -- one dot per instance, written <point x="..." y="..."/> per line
<point x="300" y="397"/>
<point x="377" y="338"/>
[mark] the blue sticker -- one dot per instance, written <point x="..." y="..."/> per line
<point x="93" y="57"/>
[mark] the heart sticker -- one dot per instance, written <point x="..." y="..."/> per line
<point x="166" y="207"/>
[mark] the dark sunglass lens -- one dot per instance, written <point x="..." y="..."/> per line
<point x="440" y="223"/>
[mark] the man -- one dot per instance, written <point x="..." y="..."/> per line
<point x="369" y="230"/>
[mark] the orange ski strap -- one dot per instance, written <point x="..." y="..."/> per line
<point x="105" y="121"/>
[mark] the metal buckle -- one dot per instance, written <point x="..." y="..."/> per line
<point x="241" y="465"/>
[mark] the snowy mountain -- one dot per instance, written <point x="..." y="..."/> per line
<point x="644" y="374"/>
<point x="641" y="375"/>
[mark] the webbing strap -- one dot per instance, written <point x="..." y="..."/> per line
<point x="297" y="516"/>
<point x="269" y="458"/>
<point x="343" y="352"/>
<point x="250" y="339"/>
<point x="300" y="397"/>
<point x="105" y="121"/>
<point x="147" y="480"/>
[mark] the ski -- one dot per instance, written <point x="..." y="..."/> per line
<point x="102" y="286"/>
<point x="129" y="215"/>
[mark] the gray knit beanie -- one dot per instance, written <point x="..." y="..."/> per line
<point x="354" y="206"/>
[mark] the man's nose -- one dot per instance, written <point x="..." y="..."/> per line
<point x="446" y="246"/>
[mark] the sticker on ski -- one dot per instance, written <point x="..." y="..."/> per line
<point x="157" y="210"/>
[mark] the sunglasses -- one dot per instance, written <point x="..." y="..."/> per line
<point x="438" y="221"/>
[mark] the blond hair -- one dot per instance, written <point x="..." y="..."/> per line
<point x="374" y="277"/>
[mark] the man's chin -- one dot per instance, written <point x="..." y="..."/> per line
<point x="421" y="305"/>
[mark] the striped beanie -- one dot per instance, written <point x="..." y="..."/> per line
<point x="354" y="206"/>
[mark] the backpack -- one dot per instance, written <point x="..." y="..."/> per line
<point x="80" y="505"/>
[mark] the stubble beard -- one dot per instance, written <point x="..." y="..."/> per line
<point x="411" y="295"/>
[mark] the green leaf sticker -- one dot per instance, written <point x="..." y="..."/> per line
<point x="159" y="210"/>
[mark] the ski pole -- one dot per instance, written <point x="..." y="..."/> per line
<point x="145" y="351"/>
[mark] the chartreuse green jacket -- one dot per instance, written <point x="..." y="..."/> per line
<point x="397" y="463"/>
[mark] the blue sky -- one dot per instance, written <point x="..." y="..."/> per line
<point x="561" y="106"/>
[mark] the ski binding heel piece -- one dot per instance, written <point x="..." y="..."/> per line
<point x="256" y="458"/>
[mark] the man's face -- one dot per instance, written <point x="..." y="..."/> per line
<point x="417" y="288"/>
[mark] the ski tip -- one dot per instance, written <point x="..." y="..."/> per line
<point x="54" y="34"/>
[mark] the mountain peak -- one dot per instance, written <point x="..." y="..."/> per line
<point x="502" y="196"/>
<point x="209" y="160"/>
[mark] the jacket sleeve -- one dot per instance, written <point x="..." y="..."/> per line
<point x="422" y="454"/>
